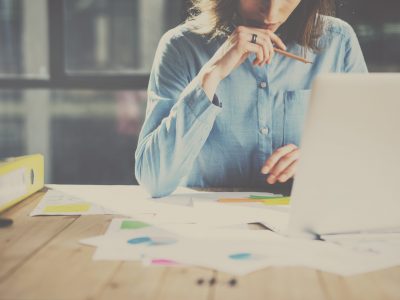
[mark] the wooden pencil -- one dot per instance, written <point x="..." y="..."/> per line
<point x="270" y="201"/>
<point x="290" y="55"/>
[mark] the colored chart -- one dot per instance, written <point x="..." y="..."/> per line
<point x="241" y="256"/>
<point x="130" y="224"/>
<point x="152" y="241"/>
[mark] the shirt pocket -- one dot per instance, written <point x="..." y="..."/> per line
<point x="295" y="109"/>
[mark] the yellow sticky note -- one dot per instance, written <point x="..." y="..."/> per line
<point x="277" y="201"/>
<point x="67" y="208"/>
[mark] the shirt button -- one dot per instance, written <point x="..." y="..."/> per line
<point x="264" y="130"/>
<point x="263" y="84"/>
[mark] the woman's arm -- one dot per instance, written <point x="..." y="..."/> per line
<point x="179" y="118"/>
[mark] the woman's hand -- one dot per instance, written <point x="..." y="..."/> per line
<point x="235" y="51"/>
<point x="282" y="164"/>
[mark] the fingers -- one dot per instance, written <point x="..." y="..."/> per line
<point x="268" y="34"/>
<point x="277" y="41"/>
<point x="284" y="169"/>
<point x="267" y="48"/>
<point x="271" y="51"/>
<point x="276" y="156"/>
<point x="265" y="38"/>
<point x="280" y="163"/>
<point x="245" y="37"/>
<point x="258" y="50"/>
<point x="284" y="162"/>
<point x="285" y="175"/>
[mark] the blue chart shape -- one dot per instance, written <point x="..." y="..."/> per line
<point x="240" y="256"/>
<point x="151" y="241"/>
<point x="139" y="240"/>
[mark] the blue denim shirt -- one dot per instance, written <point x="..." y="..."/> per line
<point x="188" y="141"/>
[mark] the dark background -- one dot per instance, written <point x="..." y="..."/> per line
<point x="73" y="76"/>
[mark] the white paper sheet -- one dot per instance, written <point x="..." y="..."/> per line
<point x="59" y="203"/>
<point x="312" y="254"/>
<point x="222" y="212"/>
<point x="184" y="206"/>
<point x="135" y="202"/>
<point x="383" y="244"/>
<point x="234" y="250"/>
<point x="116" y="243"/>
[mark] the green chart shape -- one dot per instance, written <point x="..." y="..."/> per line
<point x="129" y="224"/>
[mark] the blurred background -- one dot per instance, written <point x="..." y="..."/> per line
<point x="73" y="76"/>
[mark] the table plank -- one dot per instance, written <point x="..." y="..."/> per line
<point x="133" y="281"/>
<point x="63" y="269"/>
<point x="388" y="281"/>
<point x="181" y="283"/>
<point x="376" y="285"/>
<point x="27" y="235"/>
<point x="272" y="283"/>
<point x="40" y="258"/>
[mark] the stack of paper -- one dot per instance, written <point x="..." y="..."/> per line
<point x="233" y="250"/>
<point x="193" y="228"/>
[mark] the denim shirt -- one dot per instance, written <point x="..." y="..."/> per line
<point x="186" y="140"/>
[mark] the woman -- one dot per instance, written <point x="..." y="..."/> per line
<point x="225" y="110"/>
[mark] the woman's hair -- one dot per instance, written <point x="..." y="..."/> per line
<point x="304" y="26"/>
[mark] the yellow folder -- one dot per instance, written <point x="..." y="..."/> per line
<point x="20" y="177"/>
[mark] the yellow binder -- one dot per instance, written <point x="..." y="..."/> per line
<point x="20" y="177"/>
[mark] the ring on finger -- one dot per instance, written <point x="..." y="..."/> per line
<point x="253" y="38"/>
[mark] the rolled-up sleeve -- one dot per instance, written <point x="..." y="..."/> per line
<point x="179" y="118"/>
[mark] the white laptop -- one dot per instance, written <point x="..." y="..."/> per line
<point x="348" y="178"/>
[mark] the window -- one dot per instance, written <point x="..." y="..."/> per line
<point x="73" y="79"/>
<point x="23" y="39"/>
<point x="74" y="73"/>
<point x="377" y="24"/>
<point x="115" y="36"/>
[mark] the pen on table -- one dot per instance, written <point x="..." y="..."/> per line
<point x="290" y="55"/>
<point x="267" y="201"/>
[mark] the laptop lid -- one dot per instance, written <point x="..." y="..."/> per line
<point x="349" y="171"/>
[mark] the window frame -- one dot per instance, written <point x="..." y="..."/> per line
<point x="58" y="78"/>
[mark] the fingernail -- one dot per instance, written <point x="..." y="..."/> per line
<point x="264" y="170"/>
<point x="282" y="178"/>
<point x="271" y="179"/>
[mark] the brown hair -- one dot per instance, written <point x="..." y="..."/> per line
<point x="304" y="26"/>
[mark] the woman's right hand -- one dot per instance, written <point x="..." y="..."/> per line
<point x="234" y="51"/>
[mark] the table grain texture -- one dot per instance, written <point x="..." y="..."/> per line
<point x="41" y="258"/>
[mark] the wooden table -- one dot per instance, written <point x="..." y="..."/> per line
<point x="40" y="258"/>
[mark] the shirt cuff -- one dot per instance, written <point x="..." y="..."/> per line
<point x="199" y="103"/>
<point x="216" y="101"/>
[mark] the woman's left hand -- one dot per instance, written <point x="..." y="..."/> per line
<point x="282" y="164"/>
